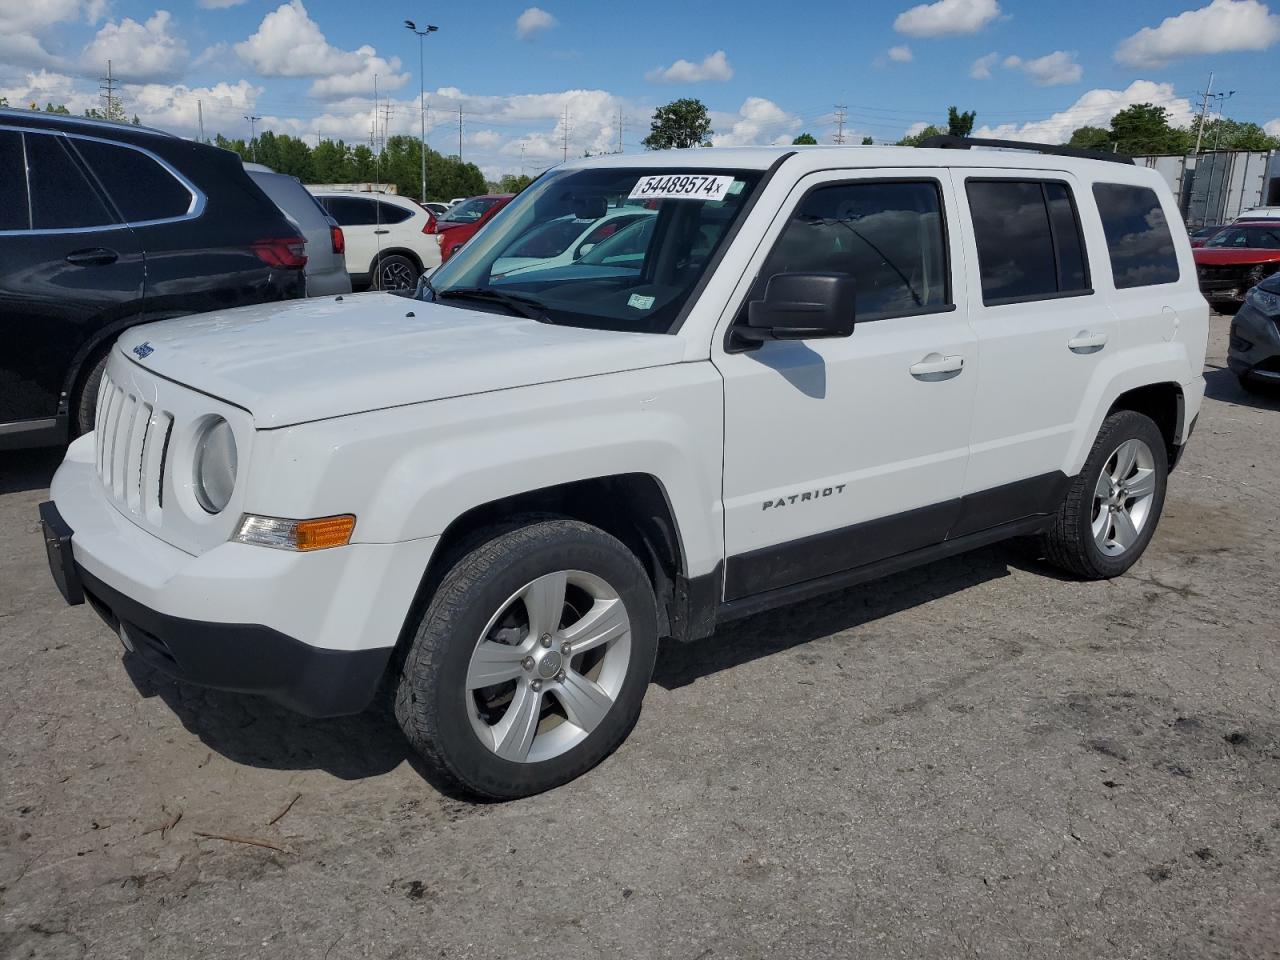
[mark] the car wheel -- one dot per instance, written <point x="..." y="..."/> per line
<point x="532" y="659"/>
<point x="85" y="407"/>
<point x="395" y="272"/>
<point x="1110" y="512"/>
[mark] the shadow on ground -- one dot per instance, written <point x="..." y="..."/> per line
<point x="23" y="470"/>
<point x="1221" y="384"/>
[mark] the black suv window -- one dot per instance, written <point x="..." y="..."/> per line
<point x="61" y="195"/>
<point x="1138" y="237"/>
<point x="140" y="187"/>
<point x="888" y="236"/>
<point x="15" y="213"/>
<point x="1029" y="241"/>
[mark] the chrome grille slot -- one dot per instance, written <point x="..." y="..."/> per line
<point x="130" y="436"/>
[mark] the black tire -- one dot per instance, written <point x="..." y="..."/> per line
<point x="432" y="704"/>
<point x="1069" y="544"/>
<point x="85" y="406"/>
<point x="395" y="272"/>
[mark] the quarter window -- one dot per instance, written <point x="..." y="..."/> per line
<point x="61" y="196"/>
<point x="1138" y="237"/>
<point x="140" y="187"/>
<point x="15" y="213"/>
<point x="1029" y="240"/>
<point x="888" y="236"/>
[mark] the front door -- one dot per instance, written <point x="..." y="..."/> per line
<point x="842" y="452"/>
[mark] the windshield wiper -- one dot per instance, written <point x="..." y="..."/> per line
<point x="529" y="307"/>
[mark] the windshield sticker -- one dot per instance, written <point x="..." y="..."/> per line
<point x="639" y="302"/>
<point x="681" y="186"/>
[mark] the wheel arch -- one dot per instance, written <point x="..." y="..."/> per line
<point x="395" y="251"/>
<point x="1163" y="403"/>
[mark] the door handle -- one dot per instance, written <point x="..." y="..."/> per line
<point x="382" y="231"/>
<point x="92" y="257"/>
<point x="936" y="367"/>
<point x="1086" y="342"/>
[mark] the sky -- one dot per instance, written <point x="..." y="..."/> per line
<point x="766" y="71"/>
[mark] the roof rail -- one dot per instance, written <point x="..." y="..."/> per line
<point x="946" y="141"/>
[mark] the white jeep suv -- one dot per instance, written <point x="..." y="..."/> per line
<point x="822" y="366"/>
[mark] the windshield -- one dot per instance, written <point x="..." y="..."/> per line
<point x="604" y="247"/>
<point x="1263" y="238"/>
<point x="469" y="211"/>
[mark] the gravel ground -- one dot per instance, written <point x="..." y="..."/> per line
<point x="974" y="759"/>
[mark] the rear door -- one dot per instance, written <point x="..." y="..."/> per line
<point x="360" y="225"/>
<point x="69" y="270"/>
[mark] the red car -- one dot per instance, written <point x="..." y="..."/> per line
<point x="1236" y="258"/>
<point x="462" y="221"/>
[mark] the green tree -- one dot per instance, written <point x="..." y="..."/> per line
<point x="1144" y="128"/>
<point x="4" y="101"/>
<point x="60" y="109"/>
<point x="805" y="139"/>
<point x="960" y="124"/>
<point x="514" y="184"/>
<point x="915" y="139"/>
<point x="680" y="123"/>
<point x="1224" y="133"/>
<point x="867" y="141"/>
<point x="1090" y="138"/>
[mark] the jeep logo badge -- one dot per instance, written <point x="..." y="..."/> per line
<point x="144" y="350"/>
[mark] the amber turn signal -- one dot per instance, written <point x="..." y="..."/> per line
<point x="324" y="532"/>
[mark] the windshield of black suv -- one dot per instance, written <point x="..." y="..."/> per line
<point x="604" y="247"/>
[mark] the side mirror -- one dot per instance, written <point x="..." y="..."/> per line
<point x="799" y="306"/>
<point x="584" y="250"/>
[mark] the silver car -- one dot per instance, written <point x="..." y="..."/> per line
<point x="326" y="268"/>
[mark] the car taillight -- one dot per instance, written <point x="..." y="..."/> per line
<point x="339" y="241"/>
<point x="430" y="226"/>
<point x="282" y="252"/>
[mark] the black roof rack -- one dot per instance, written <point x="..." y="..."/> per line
<point x="946" y="141"/>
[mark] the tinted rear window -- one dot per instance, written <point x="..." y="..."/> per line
<point x="1138" y="237"/>
<point x="14" y="212"/>
<point x="61" y="195"/>
<point x="1029" y="240"/>
<point x="140" y="187"/>
<point x="358" y="212"/>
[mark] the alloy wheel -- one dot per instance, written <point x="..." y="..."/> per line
<point x="1123" y="496"/>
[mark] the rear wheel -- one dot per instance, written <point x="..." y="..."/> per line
<point x="531" y="662"/>
<point x="395" y="272"/>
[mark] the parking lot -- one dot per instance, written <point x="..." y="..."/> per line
<point x="978" y="758"/>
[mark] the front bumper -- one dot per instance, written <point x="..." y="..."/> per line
<point x="311" y="631"/>
<point x="1254" y="345"/>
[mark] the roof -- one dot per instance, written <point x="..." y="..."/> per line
<point x="73" y="124"/>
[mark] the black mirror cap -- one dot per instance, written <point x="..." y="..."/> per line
<point x="801" y="306"/>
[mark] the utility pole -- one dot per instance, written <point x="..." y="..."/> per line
<point x="422" y="100"/>
<point x="459" y="133"/>
<point x="111" y="108"/>
<point x="253" y="135"/>
<point x="200" y="114"/>
<point x="1204" y="112"/>
<point x="522" y="158"/>
<point x="387" y="109"/>
<point x="842" y="112"/>
<point x="620" y="131"/>
<point x="564" y="131"/>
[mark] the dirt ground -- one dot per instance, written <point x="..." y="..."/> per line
<point x="975" y="759"/>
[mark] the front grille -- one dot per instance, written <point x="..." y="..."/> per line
<point x="130" y="441"/>
<point x="1231" y="271"/>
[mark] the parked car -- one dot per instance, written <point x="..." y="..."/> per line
<point x="1254" y="348"/>
<point x="462" y="221"/>
<point x="436" y="209"/>
<point x="389" y="239"/>
<point x="1260" y="213"/>
<point x="563" y="241"/>
<point x="103" y="226"/>
<point x="506" y="494"/>
<point x="1237" y="257"/>
<point x="326" y="268"/>
<point x="1201" y="234"/>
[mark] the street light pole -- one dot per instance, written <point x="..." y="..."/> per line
<point x="253" y="135"/>
<point x="422" y="99"/>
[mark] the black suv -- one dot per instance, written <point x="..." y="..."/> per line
<point x="103" y="226"/>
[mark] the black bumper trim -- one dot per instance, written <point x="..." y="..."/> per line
<point x="244" y="658"/>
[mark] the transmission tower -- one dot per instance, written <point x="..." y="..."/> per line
<point x="842" y="111"/>
<point x="111" y="108"/>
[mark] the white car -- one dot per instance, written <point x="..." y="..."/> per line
<point x="564" y="240"/>
<point x="816" y="368"/>
<point x="1260" y="213"/>
<point x="387" y="246"/>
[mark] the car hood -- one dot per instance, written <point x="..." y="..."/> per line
<point x="1219" y="256"/>
<point x="304" y="360"/>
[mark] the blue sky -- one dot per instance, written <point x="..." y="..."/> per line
<point x="1029" y="69"/>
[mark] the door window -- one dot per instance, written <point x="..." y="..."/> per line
<point x="61" y="196"/>
<point x="140" y="187"/>
<point x="390" y="213"/>
<point x="887" y="235"/>
<point x="352" y="211"/>
<point x="15" y="212"/>
<point x="1138" y="237"/>
<point x="1029" y="240"/>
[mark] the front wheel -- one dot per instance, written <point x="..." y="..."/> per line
<point x="530" y="664"/>
<point x="1110" y="512"/>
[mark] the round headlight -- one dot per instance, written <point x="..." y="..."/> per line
<point x="215" y="467"/>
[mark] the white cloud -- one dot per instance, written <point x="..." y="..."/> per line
<point x="981" y="69"/>
<point x="288" y="43"/>
<point x="946" y="17"/>
<point x="900" y="54"/>
<point x="758" y="121"/>
<point x="1272" y="127"/>
<point x="1048" y="71"/>
<point x="1095" y="108"/>
<point x="138" y="51"/>
<point x="533" y="21"/>
<point x="25" y="24"/>
<point x="219" y="4"/>
<point x="714" y="66"/>
<point x="1222" y="26"/>
<point x="915" y="128"/>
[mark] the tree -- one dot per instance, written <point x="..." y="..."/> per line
<point x="1224" y="133"/>
<point x="1144" y="128"/>
<point x="867" y="141"/>
<point x="513" y="184"/>
<point x="806" y="140"/>
<point x="1090" y="138"/>
<point x="680" y="123"/>
<point x="915" y="139"/>
<point x="960" y="124"/>
<point x="60" y="109"/>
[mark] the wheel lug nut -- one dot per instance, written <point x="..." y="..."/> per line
<point x="545" y="640"/>
<point x="535" y="685"/>
<point x="527" y="663"/>
<point x="566" y="648"/>
<point x="560" y="677"/>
